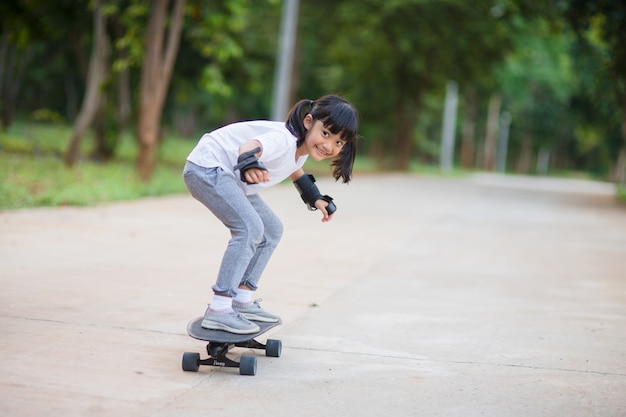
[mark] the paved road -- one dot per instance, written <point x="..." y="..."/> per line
<point x="479" y="296"/>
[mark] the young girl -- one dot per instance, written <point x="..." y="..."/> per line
<point x="231" y="165"/>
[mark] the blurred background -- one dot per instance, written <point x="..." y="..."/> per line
<point x="102" y="100"/>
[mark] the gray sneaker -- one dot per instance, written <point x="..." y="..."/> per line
<point x="254" y="312"/>
<point x="231" y="322"/>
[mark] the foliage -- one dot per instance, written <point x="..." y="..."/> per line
<point x="604" y="21"/>
<point x="537" y="80"/>
<point x="600" y="26"/>
<point x="225" y="61"/>
<point x="33" y="173"/>
<point x="391" y="58"/>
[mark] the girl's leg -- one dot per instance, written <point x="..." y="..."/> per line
<point x="272" y="232"/>
<point x="219" y="192"/>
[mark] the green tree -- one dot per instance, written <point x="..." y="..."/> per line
<point x="37" y="41"/>
<point x="227" y="59"/>
<point x="595" y="133"/>
<point x="390" y="57"/>
<point x="536" y="82"/>
<point x="605" y="21"/>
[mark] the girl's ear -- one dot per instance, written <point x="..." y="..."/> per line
<point x="308" y="121"/>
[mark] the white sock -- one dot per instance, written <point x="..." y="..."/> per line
<point x="221" y="303"/>
<point x="243" y="296"/>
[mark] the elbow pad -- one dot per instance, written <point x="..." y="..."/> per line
<point x="310" y="193"/>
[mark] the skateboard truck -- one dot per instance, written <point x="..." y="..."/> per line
<point x="217" y="356"/>
<point x="220" y="343"/>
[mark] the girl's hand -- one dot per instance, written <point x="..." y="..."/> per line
<point x="256" y="175"/>
<point x="321" y="206"/>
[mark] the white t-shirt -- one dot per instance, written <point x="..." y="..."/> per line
<point x="220" y="148"/>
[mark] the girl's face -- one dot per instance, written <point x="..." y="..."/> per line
<point x="319" y="142"/>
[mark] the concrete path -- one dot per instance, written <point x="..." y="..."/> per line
<point x="480" y="296"/>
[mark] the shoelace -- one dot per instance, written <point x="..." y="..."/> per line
<point x="240" y="317"/>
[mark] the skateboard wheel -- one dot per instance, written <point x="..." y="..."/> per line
<point x="191" y="361"/>
<point x="247" y="365"/>
<point x="273" y="348"/>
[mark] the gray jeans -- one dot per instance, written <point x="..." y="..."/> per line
<point x="254" y="228"/>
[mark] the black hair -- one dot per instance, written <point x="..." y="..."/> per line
<point x="338" y="116"/>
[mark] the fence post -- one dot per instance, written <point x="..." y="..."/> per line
<point x="446" y="155"/>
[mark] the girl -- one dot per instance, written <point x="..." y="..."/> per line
<point x="228" y="168"/>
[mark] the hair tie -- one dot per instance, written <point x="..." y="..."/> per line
<point x="311" y="103"/>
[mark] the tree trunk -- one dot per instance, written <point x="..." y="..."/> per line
<point x="125" y="108"/>
<point x="97" y="74"/>
<point x="124" y="97"/>
<point x="155" y="77"/>
<point x="106" y="133"/>
<point x="469" y="123"/>
<point x="620" y="167"/>
<point x="406" y="117"/>
<point x="13" y="63"/>
<point x="525" y="160"/>
<point x="492" y="131"/>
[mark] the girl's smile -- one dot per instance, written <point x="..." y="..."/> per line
<point x="323" y="153"/>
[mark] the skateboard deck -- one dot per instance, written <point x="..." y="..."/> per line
<point x="195" y="330"/>
<point x="221" y="342"/>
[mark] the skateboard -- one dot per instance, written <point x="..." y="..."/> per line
<point x="221" y="342"/>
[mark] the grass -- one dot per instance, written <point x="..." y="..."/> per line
<point x="32" y="172"/>
<point x="621" y="193"/>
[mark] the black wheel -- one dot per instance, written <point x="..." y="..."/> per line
<point x="273" y="348"/>
<point x="191" y="361"/>
<point x="247" y="365"/>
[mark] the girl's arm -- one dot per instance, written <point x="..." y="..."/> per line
<point x="254" y="175"/>
<point x="250" y="145"/>
<point x="296" y="174"/>
<point x="320" y="203"/>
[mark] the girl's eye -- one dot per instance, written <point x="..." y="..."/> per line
<point x="325" y="133"/>
<point x="339" y="143"/>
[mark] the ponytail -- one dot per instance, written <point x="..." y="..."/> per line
<point x="295" y="119"/>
